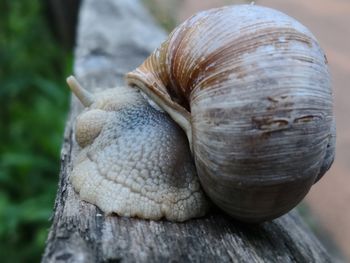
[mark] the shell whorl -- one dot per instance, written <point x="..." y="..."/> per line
<point x="252" y="87"/>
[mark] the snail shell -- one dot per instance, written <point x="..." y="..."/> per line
<point x="251" y="88"/>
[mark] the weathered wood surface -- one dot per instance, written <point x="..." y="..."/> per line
<point x="114" y="36"/>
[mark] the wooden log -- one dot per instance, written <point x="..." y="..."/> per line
<point x="114" y="36"/>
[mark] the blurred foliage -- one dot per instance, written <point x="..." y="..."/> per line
<point x="33" y="106"/>
<point x="167" y="12"/>
<point x="164" y="12"/>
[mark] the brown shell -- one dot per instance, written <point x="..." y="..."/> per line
<point x="251" y="88"/>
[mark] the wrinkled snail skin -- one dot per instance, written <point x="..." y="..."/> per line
<point x="133" y="159"/>
<point x="251" y="88"/>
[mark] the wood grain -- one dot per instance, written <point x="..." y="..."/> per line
<point x="114" y="36"/>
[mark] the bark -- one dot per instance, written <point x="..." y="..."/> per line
<point x="62" y="18"/>
<point x="115" y="36"/>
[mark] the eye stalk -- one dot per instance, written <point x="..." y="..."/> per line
<point x="84" y="96"/>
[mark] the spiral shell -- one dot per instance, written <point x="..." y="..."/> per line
<point x="251" y="88"/>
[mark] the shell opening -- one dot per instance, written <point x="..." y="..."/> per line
<point x="178" y="113"/>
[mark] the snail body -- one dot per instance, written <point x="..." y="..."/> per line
<point x="133" y="160"/>
<point x="251" y="88"/>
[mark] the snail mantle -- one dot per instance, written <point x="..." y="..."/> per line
<point x="114" y="37"/>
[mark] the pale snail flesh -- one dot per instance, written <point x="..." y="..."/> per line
<point x="133" y="160"/>
<point x="251" y="88"/>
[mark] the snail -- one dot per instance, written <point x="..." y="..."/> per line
<point x="133" y="160"/>
<point x="250" y="87"/>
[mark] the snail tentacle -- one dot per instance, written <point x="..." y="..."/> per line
<point x="84" y="96"/>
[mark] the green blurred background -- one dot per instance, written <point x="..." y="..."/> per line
<point x="33" y="108"/>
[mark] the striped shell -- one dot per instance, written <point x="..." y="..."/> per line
<point x="251" y="88"/>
